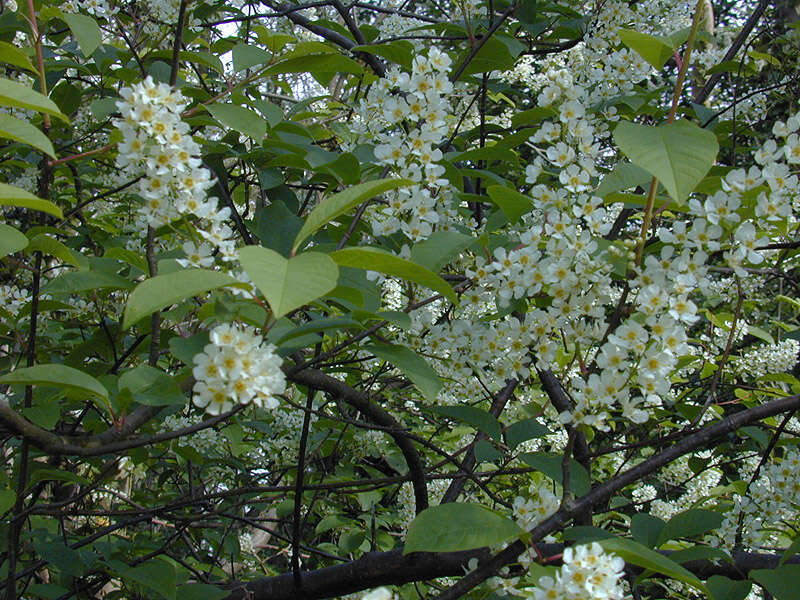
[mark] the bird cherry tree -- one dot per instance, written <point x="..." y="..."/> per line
<point x="402" y="299"/>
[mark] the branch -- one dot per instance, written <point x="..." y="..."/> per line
<point x="393" y="568"/>
<point x="498" y="404"/>
<point x="559" y="399"/>
<point x="111" y="441"/>
<point x="473" y="53"/>
<point x="362" y="402"/>
<point x="603" y="492"/>
<point x="712" y="82"/>
<point x="329" y="34"/>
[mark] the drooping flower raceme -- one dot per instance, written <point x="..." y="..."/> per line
<point x="157" y="147"/>
<point x="237" y="368"/>
<point x="588" y="573"/>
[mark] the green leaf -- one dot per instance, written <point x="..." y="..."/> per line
<point x="44" y="243"/>
<point x="65" y="559"/>
<point x="12" y="55"/>
<point x="400" y="52"/>
<point x="551" y="465"/>
<point x="276" y="226"/>
<point x="760" y="334"/>
<point x="127" y="256"/>
<point x="689" y="523"/>
<point x="86" y="31"/>
<point x="655" y="50"/>
<point x="637" y="554"/>
<point x="646" y="529"/>
<point x="239" y="118"/>
<point x="317" y="325"/>
<point x="440" y="248"/>
<point x="56" y="375"/>
<point x="204" y="58"/>
<point x="722" y="588"/>
<point x="46" y="591"/>
<point x="81" y="281"/>
<point x="157" y="575"/>
<point x="340" y="203"/>
<point x="271" y="112"/>
<point x="522" y="431"/>
<point x="185" y="348"/>
<point x="152" y="387"/>
<point x="584" y="534"/>
<point x="624" y="176"/>
<point x="7" y="500"/>
<point x="11" y="240"/>
<point x="103" y="107"/>
<point x="245" y="56"/>
<point x="21" y="96"/>
<point x="679" y="154"/>
<point x="493" y="153"/>
<point x="494" y="55"/>
<point x="289" y="283"/>
<point x="699" y="552"/>
<point x="50" y="474"/>
<point x="22" y="131"/>
<point x="531" y="116"/>
<point x="458" y="526"/>
<point x="157" y="292"/>
<point x="201" y="591"/>
<point x="480" y="419"/>
<point x="316" y="63"/>
<point x="486" y="452"/>
<point x="412" y="365"/>
<point x="793" y="549"/>
<point x="11" y="195"/>
<point x="783" y="582"/>
<point x="511" y="202"/>
<point x="374" y="259"/>
<point x="526" y="11"/>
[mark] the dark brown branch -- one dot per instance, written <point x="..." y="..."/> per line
<point x="330" y="35"/>
<point x="499" y="402"/>
<point x="603" y="492"/>
<point x="393" y="568"/>
<point x="176" y="46"/>
<point x="111" y="441"/>
<point x="751" y="22"/>
<point x="559" y="399"/>
<point x="477" y="47"/>
<point x="298" y="490"/>
<point x="379" y="416"/>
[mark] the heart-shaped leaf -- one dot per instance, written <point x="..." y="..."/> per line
<point x="678" y="154"/>
<point x="289" y="283"/>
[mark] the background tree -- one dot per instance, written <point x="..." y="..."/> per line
<point x="438" y="300"/>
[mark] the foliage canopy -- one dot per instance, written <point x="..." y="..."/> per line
<point x="437" y="299"/>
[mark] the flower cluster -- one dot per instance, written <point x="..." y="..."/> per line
<point x="768" y="358"/>
<point x="588" y="573"/>
<point x="205" y="440"/>
<point x="13" y="298"/>
<point x="772" y="500"/>
<point x="532" y="511"/>
<point x="406" y="116"/>
<point x="237" y="368"/>
<point x="156" y="144"/>
<point x="97" y="8"/>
